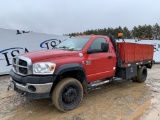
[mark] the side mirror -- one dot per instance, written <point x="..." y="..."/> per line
<point x="104" y="47"/>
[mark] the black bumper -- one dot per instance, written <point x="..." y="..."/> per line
<point x="32" y="80"/>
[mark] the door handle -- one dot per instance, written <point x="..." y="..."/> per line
<point x="109" y="57"/>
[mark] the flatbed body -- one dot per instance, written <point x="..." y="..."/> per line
<point x="135" y="53"/>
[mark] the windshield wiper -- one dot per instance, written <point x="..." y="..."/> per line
<point x="67" y="48"/>
<point x="63" y="47"/>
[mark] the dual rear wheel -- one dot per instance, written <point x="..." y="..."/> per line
<point x="141" y="75"/>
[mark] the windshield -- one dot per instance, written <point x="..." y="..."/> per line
<point x="73" y="44"/>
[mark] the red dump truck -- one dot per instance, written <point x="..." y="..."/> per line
<point x="77" y="65"/>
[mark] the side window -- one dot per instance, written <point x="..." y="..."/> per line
<point x="96" y="45"/>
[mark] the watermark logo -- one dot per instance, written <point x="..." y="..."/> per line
<point x="8" y="53"/>
<point x="50" y="44"/>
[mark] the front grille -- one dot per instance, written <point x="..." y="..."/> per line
<point x="21" y="65"/>
<point x="23" y="70"/>
<point x="22" y="62"/>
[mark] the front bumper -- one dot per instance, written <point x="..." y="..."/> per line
<point x="36" y="87"/>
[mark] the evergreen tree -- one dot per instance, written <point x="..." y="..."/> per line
<point x="138" y="32"/>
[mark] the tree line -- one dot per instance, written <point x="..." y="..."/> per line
<point x="138" y="32"/>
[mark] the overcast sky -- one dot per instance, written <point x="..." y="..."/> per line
<point x="67" y="16"/>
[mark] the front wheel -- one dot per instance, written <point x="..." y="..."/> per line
<point x="67" y="94"/>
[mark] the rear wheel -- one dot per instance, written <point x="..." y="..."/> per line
<point x="67" y="94"/>
<point x="142" y="74"/>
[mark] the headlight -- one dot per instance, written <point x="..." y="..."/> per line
<point x="44" y="68"/>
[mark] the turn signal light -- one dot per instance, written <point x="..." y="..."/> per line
<point x="51" y="67"/>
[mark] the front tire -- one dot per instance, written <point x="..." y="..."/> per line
<point x="67" y="94"/>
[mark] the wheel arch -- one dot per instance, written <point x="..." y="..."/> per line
<point x="74" y="70"/>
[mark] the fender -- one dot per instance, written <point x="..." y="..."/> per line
<point x="69" y="67"/>
<point x="72" y="67"/>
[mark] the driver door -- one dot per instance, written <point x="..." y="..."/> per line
<point x="99" y="65"/>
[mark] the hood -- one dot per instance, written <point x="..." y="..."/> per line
<point x="47" y="54"/>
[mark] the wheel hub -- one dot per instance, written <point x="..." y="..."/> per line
<point x="69" y="95"/>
